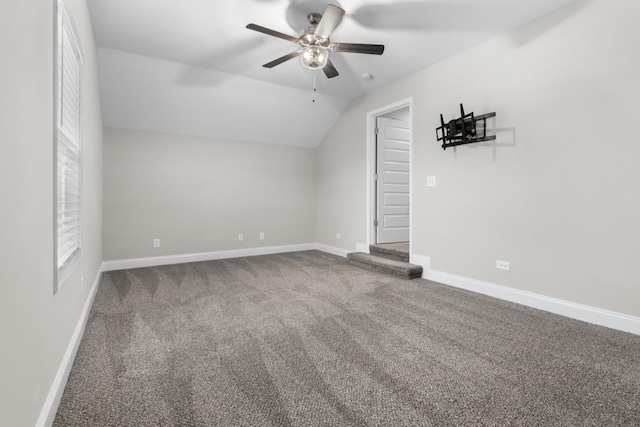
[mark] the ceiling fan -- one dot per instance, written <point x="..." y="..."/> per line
<point x="315" y="44"/>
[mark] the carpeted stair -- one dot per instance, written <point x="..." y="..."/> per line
<point x="390" y="258"/>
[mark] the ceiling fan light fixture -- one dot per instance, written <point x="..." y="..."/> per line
<point x="314" y="44"/>
<point x="314" y="57"/>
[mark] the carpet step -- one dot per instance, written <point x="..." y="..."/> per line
<point x="400" y="269"/>
<point x="394" y="251"/>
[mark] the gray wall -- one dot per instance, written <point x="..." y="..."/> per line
<point x="556" y="195"/>
<point x="197" y="194"/>
<point x="36" y="325"/>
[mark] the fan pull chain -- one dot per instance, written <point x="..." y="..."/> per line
<point x="314" y="85"/>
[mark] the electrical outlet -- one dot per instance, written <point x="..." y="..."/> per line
<point x="262" y="235"/>
<point x="502" y="265"/>
<point x="338" y="236"/>
<point x="431" y="181"/>
<point x="240" y="237"/>
<point x="156" y="243"/>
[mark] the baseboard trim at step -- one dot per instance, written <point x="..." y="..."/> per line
<point x="204" y="256"/>
<point x="589" y="314"/>
<point x="423" y="261"/>
<point x="362" y="247"/>
<point x="50" y="407"/>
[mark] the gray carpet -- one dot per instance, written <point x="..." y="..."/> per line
<point x="306" y="339"/>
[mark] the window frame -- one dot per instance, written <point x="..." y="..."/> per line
<point x="67" y="138"/>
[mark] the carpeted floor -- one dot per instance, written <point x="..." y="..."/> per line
<point x="306" y="339"/>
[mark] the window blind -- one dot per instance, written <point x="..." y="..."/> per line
<point x="68" y="163"/>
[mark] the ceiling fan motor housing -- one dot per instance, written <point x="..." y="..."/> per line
<point x="314" y="19"/>
<point x="308" y="38"/>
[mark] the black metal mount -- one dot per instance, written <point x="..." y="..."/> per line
<point x="467" y="129"/>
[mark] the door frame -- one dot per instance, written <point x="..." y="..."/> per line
<point x="371" y="167"/>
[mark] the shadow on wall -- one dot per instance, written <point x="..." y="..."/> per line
<point x="506" y="138"/>
<point x="521" y="38"/>
<point x="210" y="70"/>
<point x="435" y="16"/>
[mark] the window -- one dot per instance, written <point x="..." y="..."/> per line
<point x="67" y="150"/>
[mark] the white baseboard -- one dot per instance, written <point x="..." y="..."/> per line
<point x="597" y="316"/>
<point x="203" y="256"/>
<point x="423" y="261"/>
<point x="50" y="407"/>
<point x="331" y="250"/>
<point x="362" y="247"/>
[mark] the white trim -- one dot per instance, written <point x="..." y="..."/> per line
<point x="331" y="250"/>
<point x="203" y="256"/>
<point x="371" y="161"/>
<point x="423" y="261"/>
<point x="362" y="247"/>
<point x="50" y="407"/>
<point x="597" y="316"/>
<point x="123" y="264"/>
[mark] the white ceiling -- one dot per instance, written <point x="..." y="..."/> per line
<point x="191" y="67"/>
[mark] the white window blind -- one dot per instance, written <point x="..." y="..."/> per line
<point x="68" y="137"/>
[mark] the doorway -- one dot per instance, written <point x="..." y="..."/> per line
<point x="389" y="141"/>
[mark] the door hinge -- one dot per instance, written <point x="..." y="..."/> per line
<point x="375" y="177"/>
<point x="376" y="131"/>
<point x="375" y="222"/>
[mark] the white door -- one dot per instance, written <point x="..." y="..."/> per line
<point x="392" y="183"/>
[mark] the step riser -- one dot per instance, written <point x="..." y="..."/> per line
<point x="399" y="269"/>
<point x="383" y="270"/>
<point x="395" y="257"/>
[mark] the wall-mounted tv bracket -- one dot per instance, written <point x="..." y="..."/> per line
<point x="467" y="129"/>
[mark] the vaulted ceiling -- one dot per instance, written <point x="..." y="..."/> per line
<point x="191" y="67"/>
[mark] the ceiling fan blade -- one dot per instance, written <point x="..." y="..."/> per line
<point x="281" y="59"/>
<point x="372" y="49"/>
<point x="330" y="20"/>
<point x="273" y="33"/>
<point x="329" y="70"/>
